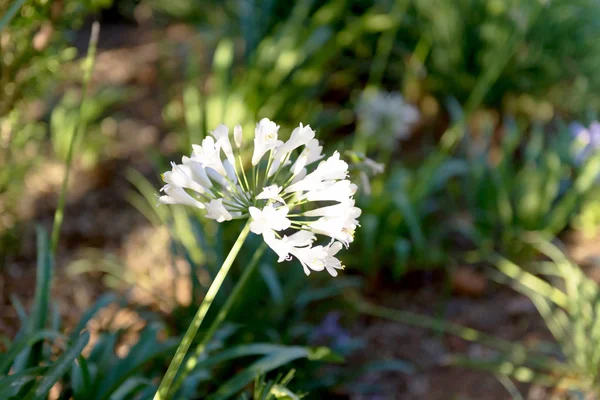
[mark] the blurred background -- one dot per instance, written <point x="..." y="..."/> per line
<point x="470" y="127"/>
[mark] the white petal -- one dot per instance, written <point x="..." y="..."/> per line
<point x="176" y="195"/>
<point x="339" y="228"/>
<point x="271" y="193"/>
<point x="338" y="191"/>
<point x="230" y="169"/>
<point x="221" y="134"/>
<point x="301" y="238"/>
<point x="217" y="177"/>
<point x="279" y="246"/>
<point x="344" y="208"/>
<point x="198" y="172"/>
<point x="269" y="218"/>
<point x="181" y="175"/>
<point x="311" y="258"/>
<point x="301" y="136"/>
<point x="237" y="135"/>
<point x="299" y="165"/>
<point x="313" y="150"/>
<point x="331" y="169"/>
<point x="216" y="210"/>
<point x="265" y="139"/>
<point x="301" y="175"/>
<point x="275" y="164"/>
<point x="208" y="155"/>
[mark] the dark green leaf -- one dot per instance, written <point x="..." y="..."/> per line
<point x="62" y="364"/>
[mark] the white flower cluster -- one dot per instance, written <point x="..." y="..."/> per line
<point x="289" y="199"/>
<point x="380" y="113"/>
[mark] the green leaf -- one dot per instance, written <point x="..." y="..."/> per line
<point x="146" y="349"/>
<point x="20" y="345"/>
<point x="20" y="309"/>
<point x="132" y="385"/>
<point x="262" y="366"/>
<point x="240" y="351"/>
<point x="273" y="285"/>
<point x="324" y="354"/>
<point x="60" y="367"/>
<point x="12" y="11"/>
<point x="43" y="281"/>
<point x="412" y="220"/>
<point x="81" y="379"/>
<point x="10" y="385"/>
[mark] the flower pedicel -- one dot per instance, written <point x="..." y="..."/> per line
<point x="290" y="200"/>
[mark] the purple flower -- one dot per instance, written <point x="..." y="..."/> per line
<point x="588" y="139"/>
<point x="330" y="331"/>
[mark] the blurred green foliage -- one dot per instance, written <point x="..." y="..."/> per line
<point x="34" y="47"/>
<point x="42" y="355"/>
<point x="545" y="49"/>
<point x="567" y="300"/>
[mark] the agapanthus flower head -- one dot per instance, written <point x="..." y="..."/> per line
<point x="587" y="139"/>
<point x="387" y="116"/>
<point x="290" y="197"/>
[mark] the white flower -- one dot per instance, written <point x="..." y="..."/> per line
<point x="332" y="264"/>
<point x="341" y="228"/>
<point x="269" y="218"/>
<point x="331" y="169"/>
<point x="332" y="191"/>
<point x="301" y="136"/>
<point x="216" y="210"/>
<point x="265" y="139"/>
<point x="374" y="167"/>
<point x="237" y="135"/>
<point x="343" y="208"/>
<point x="271" y="193"/>
<point x="221" y="134"/>
<point x="208" y="155"/>
<point x="289" y="201"/>
<point x="386" y="116"/>
<point x="198" y="172"/>
<point x="176" y="195"/>
<point x="311" y="258"/>
<point x="182" y="175"/>
<point x="284" y="246"/>
<point x="313" y="151"/>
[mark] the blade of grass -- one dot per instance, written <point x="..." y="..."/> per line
<point x="21" y="344"/>
<point x="12" y="11"/>
<point x="88" y="67"/>
<point x="59" y="368"/>
<point x="10" y="385"/>
<point x="41" y="304"/>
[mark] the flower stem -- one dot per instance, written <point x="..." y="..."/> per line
<point x="165" y="384"/>
<point x="192" y="361"/>
<point x="88" y="67"/>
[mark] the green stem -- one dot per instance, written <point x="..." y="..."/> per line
<point x="165" y="384"/>
<point x="12" y="11"/>
<point x="191" y="363"/>
<point x="88" y="67"/>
